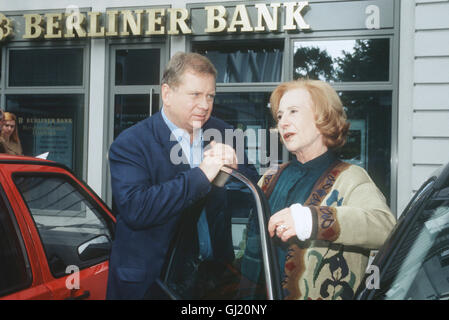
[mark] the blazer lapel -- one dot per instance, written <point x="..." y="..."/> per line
<point x="169" y="143"/>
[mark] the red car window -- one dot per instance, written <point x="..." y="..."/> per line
<point x="72" y="230"/>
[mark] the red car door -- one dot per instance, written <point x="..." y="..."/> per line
<point x="20" y="274"/>
<point x="71" y="229"/>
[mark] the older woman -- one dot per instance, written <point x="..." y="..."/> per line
<point x="327" y="213"/>
<point x="9" y="135"/>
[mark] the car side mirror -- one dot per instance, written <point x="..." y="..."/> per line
<point x="97" y="247"/>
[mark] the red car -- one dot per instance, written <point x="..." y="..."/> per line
<point x="55" y="233"/>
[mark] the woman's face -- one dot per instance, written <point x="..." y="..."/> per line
<point x="296" y="122"/>
<point x="8" y="128"/>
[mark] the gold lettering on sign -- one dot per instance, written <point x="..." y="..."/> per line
<point x="33" y="26"/>
<point x="264" y="15"/>
<point x="292" y="15"/>
<point x="75" y="21"/>
<point x="180" y="21"/>
<point x="93" y="31"/>
<point x="240" y="18"/>
<point x="112" y="23"/>
<point x="135" y="25"/>
<point x="5" y="27"/>
<point x="53" y="26"/>
<point x="216" y="18"/>
<point x="155" y="17"/>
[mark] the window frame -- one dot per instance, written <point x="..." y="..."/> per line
<point x="79" y="151"/>
<point x="112" y="45"/>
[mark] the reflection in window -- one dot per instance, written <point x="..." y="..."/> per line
<point x="342" y="60"/>
<point x="236" y="271"/>
<point x="64" y="219"/>
<point x="46" y="67"/>
<point x="249" y="112"/>
<point x="369" y="139"/>
<point x="50" y="123"/>
<point x="132" y="108"/>
<point x="240" y="63"/>
<point x="137" y="67"/>
<point x="420" y="268"/>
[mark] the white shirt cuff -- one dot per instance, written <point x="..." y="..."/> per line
<point x="303" y="221"/>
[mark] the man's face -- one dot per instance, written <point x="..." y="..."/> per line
<point x="189" y="104"/>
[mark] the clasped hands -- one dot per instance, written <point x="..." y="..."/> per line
<point x="215" y="157"/>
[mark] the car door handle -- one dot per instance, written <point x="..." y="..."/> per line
<point x="84" y="295"/>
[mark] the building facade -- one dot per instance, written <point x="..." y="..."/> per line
<point x="77" y="73"/>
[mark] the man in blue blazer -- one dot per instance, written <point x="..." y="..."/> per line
<point x="152" y="188"/>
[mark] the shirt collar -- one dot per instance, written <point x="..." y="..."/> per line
<point x="323" y="161"/>
<point x="181" y="134"/>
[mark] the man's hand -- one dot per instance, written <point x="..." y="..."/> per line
<point x="224" y="152"/>
<point x="216" y="157"/>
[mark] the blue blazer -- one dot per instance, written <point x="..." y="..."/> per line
<point x="150" y="193"/>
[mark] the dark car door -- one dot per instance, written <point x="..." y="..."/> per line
<point x="248" y="270"/>
<point x="414" y="262"/>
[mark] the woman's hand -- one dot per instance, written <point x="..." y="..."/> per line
<point x="282" y="225"/>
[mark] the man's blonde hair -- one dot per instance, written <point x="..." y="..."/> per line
<point x="181" y="62"/>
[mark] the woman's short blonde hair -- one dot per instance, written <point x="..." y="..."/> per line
<point x="330" y="117"/>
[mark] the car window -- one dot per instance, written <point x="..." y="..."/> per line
<point x="13" y="264"/>
<point x="420" y="268"/>
<point x="72" y="230"/>
<point x="236" y="269"/>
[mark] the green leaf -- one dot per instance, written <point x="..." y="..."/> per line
<point x="318" y="266"/>
<point x="352" y="280"/>
<point x="306" y="295"/>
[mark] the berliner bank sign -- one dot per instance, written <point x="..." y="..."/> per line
<point x="207" y="19"/>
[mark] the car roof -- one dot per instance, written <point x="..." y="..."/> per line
<point x="13" y="158"/>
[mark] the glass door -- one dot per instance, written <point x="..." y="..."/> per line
<point x="135" y="72"/>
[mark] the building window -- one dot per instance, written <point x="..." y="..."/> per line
<point x="45" y="67"/>
<point x="369" y="139"/>
<point x="249" y="112"/>
<point x="351" y="60"/>
<point x="46" y="89"/>
<point x="237" y="62"/>
<point x="135" y="78"/>
<point x="50" y="123"/>
<point x="356" y="67"/>
<point x="247" y="74"/>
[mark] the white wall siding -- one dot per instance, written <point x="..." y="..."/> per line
<point x="431" y="97"/>
<point x="431" y="124"/>
<point x="432" y="43"/>
<point x="429" y="101"/>
<point x="432" y="70"/>
<point x="432" y="15"/>
<point x="433" y="151"/>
